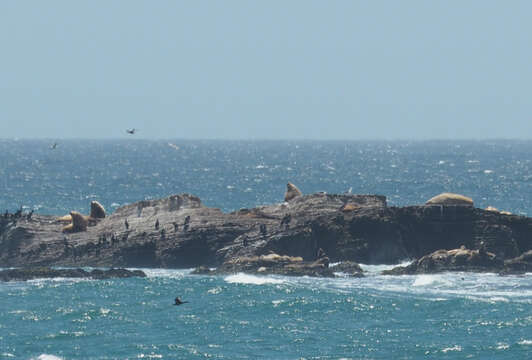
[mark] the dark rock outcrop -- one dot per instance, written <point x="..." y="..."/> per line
<point x="24" y="274"/>
<point x="519" y="265"/>
<point x="276" y="264"/>
<point x="451" y="260"/>
<point x="357" y="228"/>
<point x="348" y="267"/>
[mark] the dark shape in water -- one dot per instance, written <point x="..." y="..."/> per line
<point x="179" y="302"/>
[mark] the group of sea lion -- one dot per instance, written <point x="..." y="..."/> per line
<point x="80" y="222"/>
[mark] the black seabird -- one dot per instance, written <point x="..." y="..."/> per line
<point x="179" y="302"/>
<point x="131" y="131"/>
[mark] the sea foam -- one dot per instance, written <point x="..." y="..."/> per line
<point x="242" y="278"/>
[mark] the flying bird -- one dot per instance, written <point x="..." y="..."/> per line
<point x="53" y="146"/>
<point x="131" y="131"/>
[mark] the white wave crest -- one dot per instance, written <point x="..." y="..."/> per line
<point x="242" y="278"/>
<point x="48" y="357"/>
<point x="166" y="273"/>
<point x="377" y="269"/>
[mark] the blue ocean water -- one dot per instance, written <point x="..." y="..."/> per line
<point x="445" y="316"/>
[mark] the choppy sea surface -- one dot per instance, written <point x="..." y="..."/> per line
<point x="444" y="316"/>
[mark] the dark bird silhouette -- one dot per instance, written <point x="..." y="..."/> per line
<point x="131" y="131"/>
<point x="53" y="146"/>
<point x="179" y="302"/>
<point x="157" y="224"/>
<point x="126" y="224"/>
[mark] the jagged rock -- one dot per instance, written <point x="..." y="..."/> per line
<point x="97" y="210"/>
<point x="24" y="274"/>
<point x="372" y="233"/>
<point x="519" y="265"/>
<point x="461" y="259"/>
<point x="450" y="199"/>
<point x="291" y="192"/>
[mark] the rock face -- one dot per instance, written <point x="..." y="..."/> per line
<point x="357" y="228"/>
<point x="24" y="274"/>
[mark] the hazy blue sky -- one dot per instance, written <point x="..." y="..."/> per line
<point x="268" y="69"/>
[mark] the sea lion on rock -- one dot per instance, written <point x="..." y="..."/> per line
<point x="66" y="218"/>
<point x="79" y="223"/>
<point x="450" y="199"/>
<point x="97" y="210"/>
<point x="291" y="192"/>
<point x="491" y="208"/>
<point x="349" y="207"/>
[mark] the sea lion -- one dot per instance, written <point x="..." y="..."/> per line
<point x="349" y="207"/>
<point x="291" y="192"/>
<point x="491" y="208"/>
<point x="97" y="210"/>
<point x="79" y="223"/>
<point x="65" y="218"/>
<point x="450" y="199"/>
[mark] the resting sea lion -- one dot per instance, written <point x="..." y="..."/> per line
<point x="450" y="199"/>
<point x="97" y="210"/>
<point x="79" y="223"/>
<point x="291" y="192"/>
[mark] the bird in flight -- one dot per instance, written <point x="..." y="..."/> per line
<point x="53" y="146"/>
<point x="131" y="131"/>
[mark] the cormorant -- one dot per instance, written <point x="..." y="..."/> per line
<point x="179" y="302"/>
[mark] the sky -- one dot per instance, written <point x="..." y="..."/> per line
<point x="345" y="70"/>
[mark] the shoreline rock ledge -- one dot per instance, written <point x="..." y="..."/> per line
<point x="180" y="232"/>
<point x="24" y="274"/>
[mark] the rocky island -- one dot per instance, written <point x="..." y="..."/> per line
<point x="299" y="236"/>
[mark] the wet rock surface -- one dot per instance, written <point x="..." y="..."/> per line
<point x="24" y="274"/>
<point x="461" y="259"/>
